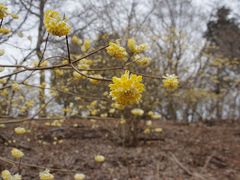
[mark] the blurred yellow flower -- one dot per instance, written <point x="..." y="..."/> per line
<point x="86" y="45"/>
<point x="6" y="175"/>
<point x="147" y="131"/>
<point x="142" y="60"/>
<point x="20" y="130"/>
<point x="149" y="123"/>
<point x="136" y="48"/>
<point x="158" y="130"/>
<point x="137" y="112"/>
<point x="99" y="158"/>
<point x="55" y="24"/>
<point x="79" y="176"/>
<point x="16" y="153"/>
<point x="115" y="50"/>
<point x="3" y="11"/>
<point x="170" y="82"/>
<point x="46" y="175"/>
<point x="95" y="81"/>
<point x="76" y="40"/>
<point x="127" y="90"/>
<point x="15" y="86"/>
<point x="4" y="30"/>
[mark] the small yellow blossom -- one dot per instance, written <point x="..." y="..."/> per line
<point x="3" y="11"/>
<point x="149" y="123"/>
<point x="4" y="30"/>
<point x="99" y="158"/>
<point x="55" y="24"/>
<point x="122" y="121"/>
<point x="170" y="82"/>
<point x="20" y="130"/>
<point x="115" y="50"/>
<point x="142" y="60"/>
<point x="147" y="131"/>
<point x="136" y="48"/>
<point x="95" y="81"/>
<point x="86" y="45"/>
<point x="14" y="16"/>
<point x="58" y="72"/>
<point x="76" y="40"/>
<point x="158" y="130"/>
<point x="16" y="153"/>
<point x="137" y="112"/>
<point x="46" y="175"/>
<point x="79" y="176"/>
<point x="6" y="175"/>
<point x="15" y="86"/>
<point x="127" y="90"/>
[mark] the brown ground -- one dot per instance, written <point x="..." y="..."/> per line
<point x="181" y="151"/>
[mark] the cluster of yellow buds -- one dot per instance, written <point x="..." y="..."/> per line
<point x="116" y="51"/>
<point x="136" y="49"/>
<point x="55" y="24"/>
<point x="170" y="82"/>
<point x="6" y="175"/>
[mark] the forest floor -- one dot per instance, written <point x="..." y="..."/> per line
<point x="180" y="151"/>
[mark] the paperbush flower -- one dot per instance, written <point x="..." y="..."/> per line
<point x="142" y="60"/>
<point x="55" y="24"/>
<point x="16" y="153"/>
<point x="136" y="48"/>
<point x="158" y="130"/>
<point x="170" y="82"/>
<point x="137" y="112"/>
<point x="3" y="11"/>
<point x="4" y="30"/>
<point x="99" y="158"/>
<point x="76" y="40"/>
<point x="20" y="130"/>
<point x="127" y="90"/>
<point x="86" y="45"/>
<point x="115" y="50"/>
<point x="6" y="175"/>
<point x="79" y="176"/>
<point x="46" y="175"/>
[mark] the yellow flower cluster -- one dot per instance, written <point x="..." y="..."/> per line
<point x="55" y="24"/>
<point x="136" y="49"/>
<point x="137" y="112"/>
<point x="79" y="176"/>
<point x="170" y="82"/>
<point x="16" y="153"/>
<point x="115" y="50"/>
<point x="6" y="175"/>
<point x="99" y="158"/>
<point x="76" y="40"/>
<point x="86" y="45"/>
<point x="127" y="90"/>
<point x="46" y="175"/>
<point x="20" y="130"/>
<point x="3" y="11"/>
<point x="142" y="60"/>
<point x="4" y="30"/>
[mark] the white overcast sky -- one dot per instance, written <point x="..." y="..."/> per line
<point x="205" y="5"/>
